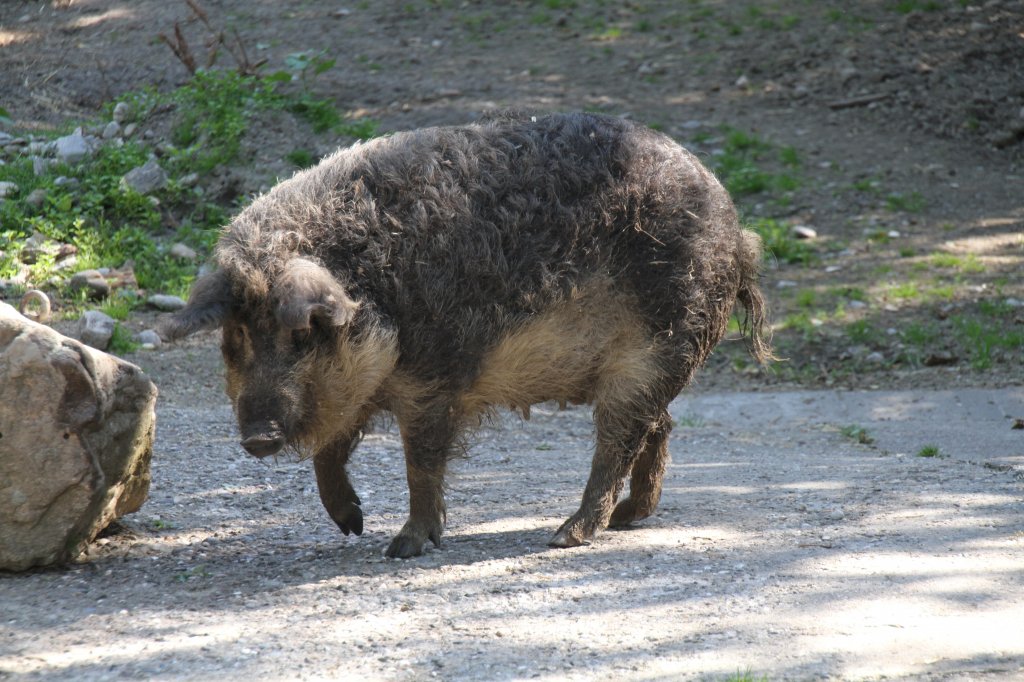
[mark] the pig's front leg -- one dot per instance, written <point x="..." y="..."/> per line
<point x="336" y="492"/>
<point x="427" y="439"/>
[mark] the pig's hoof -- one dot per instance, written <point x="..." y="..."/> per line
<point x="350" y="518"/>
<point x="626" y="512"/>
<point x="571" y="534"/>
<point x="410" y="540"/>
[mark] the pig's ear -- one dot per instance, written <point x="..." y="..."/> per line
<point x="208" y="306"/>
<point x="309" y="291"/>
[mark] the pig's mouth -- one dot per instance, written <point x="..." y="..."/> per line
<point x="266" y="441"/>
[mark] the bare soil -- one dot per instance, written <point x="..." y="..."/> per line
<point x="781" y="545"/>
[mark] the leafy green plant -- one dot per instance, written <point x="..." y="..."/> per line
<point x="302" y="158"/>
<point x="858" y="434"/>
<point x="912" y="203"/>
<point x="779" y="242"/>
<point x="121" y="342"/>
<point x="861" y="331"/>
<point x="929" y="451"/>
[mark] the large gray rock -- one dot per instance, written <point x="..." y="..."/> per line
<point x="76" y="439"/>
<point x="146" y="178"/>
<point x="72" y="148"/>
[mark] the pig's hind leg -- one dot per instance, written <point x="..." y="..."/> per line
<point x="336" y="492"/>
<point x="621" y="440"/>
<point x="645" y="479"/>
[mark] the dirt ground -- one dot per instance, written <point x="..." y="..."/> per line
<point x="781" y="546"/>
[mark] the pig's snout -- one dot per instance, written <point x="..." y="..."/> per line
<point x="265" y="443"/>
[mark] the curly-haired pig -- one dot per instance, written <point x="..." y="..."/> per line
<point x="441" y="273"/>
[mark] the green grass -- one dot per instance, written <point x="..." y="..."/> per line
<point x="742" y="165"/>
<point x="121" y="342"/>
<point x="910" y="203"/>
<point x="111" y="225"/>
<point x="302" y="158"/>
<point x="929" y="451"/>
<point x="966" y="264"/>
<point x="982" y="338"/>
<point x="780" y="244"/>
<point x="861" y="331"/>
<point x="857" y="434"/>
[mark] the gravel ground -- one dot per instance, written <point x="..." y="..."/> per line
<point x="781" y="546"/>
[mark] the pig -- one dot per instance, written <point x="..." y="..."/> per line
<point x="441" y="274"/>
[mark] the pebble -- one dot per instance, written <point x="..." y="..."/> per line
<point x="130" y="129"/>
<point x="36" y="198"/>
<point x="875" y="357"/>
<point x="92" y="281"/>
<point x="95" y="328"/>
<point x="148" y="339"/>
<point x="785" y="284"/>
<point x="146" y="178"/>
<point x="72" y="148"/>
<point x="121" y="112"/>
<point x="40" y="165"/>
<point x="804" y="232"/>
<point x="8" y="189"/>
<point x="183" y="252"/>
<point x="165" y="302"/>
<point x="111" y="130"/>
<point x="856" y="305"/>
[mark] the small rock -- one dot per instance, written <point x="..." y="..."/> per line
<point x="836" y="515"/>
<point x="785" y="284"/>
<point x="64" y="181"/>
<point x="742" y="82"/>
<point x="40" y="165"/>
<point x="130" y="129"/>
<point x="95" y="329"/>
<point x="122" y="110"/>
<point x="875" y="358"/>
<point x="146" y="178"/>
<point x="189" y="180"/>
<point x="148" y="339"/>
<point x="940" y="358"/>
<point x="804" y="232"/>
<point x="343" y="12"/>
<point x="1014" y="302"/>
<point x="833" y="268"/>
<point x="65" y="251"/>
<point x="183" y="252"/>
<point x="893" y="234"/>
<point x="111" y="130"/>
<point x="72" y="148"/>
<point x="8" y="189"/>
<point x="856" y="305"/>
<point x="94" y="283"/>
<point x="165" y="302"/>
<point x="36" y="198"/>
